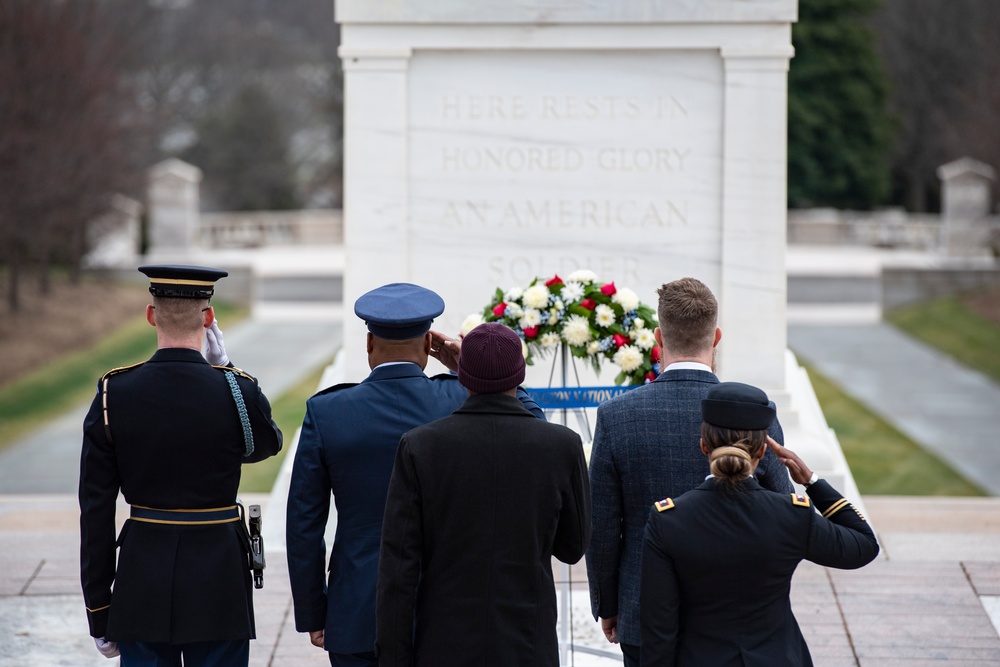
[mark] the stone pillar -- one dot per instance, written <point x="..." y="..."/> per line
<point x="376" y="174"/>
<point x="965" y="206"/>
<point x="752" y="294"/>
<point x="173" y="208"/>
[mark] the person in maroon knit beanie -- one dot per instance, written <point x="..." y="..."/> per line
<point x="479" y="503"/>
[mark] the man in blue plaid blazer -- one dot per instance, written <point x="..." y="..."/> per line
<point x="646" y="448"/>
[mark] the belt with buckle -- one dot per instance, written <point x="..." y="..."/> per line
<point x="202" y="517"/>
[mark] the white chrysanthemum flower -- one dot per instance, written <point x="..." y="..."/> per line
<point x="582" y="276"/>
<point x="604" y="315"/>
<point x="553" y="317"/>
<point x="536" y="296"/>
<point x="471" y="322"/>
<point x="593" y="347"/>
<point x="514" y="311"/>
<point x="513" y="294"/>
<point x="549" y="339"/>
<point x="572" y="291"/>
<point x="639" y="323"/>
<point x="628" y="358"/>
<point x="645" y="339"/>
<point x="530" y="318"/>
<point x="558" y="304"/>
<point x="626" y="298"/>
<point x="576" y="331"/>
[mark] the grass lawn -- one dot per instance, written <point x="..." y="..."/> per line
<point x="883" y="460"/>
<point x="71" y="379"/>
<point x="955" y="330"/>
<point x="287" y="411"/>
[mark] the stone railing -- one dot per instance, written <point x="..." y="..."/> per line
<point x="887" y="228"/>
<point x="253" y="229"/>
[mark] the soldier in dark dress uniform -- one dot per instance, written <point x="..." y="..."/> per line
<point x="172" y="434"/>
<point x="715" y="576"/>
<point x="347" y="446"/>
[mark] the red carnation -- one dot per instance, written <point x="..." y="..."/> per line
<point x="499" y="308"/>
<point x="650" y="376"/>
<point x="589" y="304"/>
<point x="609" y="289"/>
<point x="654" y="354"/>
<point x="554" y="280"/>
<point x="620" y="340"/>
<point x="530" y="332"/>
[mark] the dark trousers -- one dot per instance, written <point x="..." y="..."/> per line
<point x="630" y="655"/>
<point x="367" y="659"/>
<point x="196" y="654"/>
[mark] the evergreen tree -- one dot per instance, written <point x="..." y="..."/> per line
<point x="839" y="133"/>
<point x="243" y="152"/>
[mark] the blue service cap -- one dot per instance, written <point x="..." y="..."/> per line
<point x="399" y="310"/>
<point x="182" y="282"/>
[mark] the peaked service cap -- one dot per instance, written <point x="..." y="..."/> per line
<point x="182" y="282"/>
<point x="398" y="311"/>
<point x="737" y="406"/>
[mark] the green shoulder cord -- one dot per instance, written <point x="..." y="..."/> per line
<point x="241" y="407"/>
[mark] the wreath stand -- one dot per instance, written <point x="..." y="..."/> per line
<point x="566" y="645"/>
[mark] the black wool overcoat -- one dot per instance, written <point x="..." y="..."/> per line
<point x="479" y="503"/>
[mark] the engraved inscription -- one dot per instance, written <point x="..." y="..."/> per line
<point x="562" y="107"/>
<point x="522" y="269"/>
<point x="561" y="159"/>
<point x="565" y="214"/>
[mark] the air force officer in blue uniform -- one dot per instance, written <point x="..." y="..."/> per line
<point x="348" y="446"/>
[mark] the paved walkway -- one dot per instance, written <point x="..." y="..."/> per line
<point x="951" y="410"/>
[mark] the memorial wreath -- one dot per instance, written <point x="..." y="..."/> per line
<point x="597" y="322"/>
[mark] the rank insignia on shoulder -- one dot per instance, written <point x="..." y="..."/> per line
<point x="238" y="371"/>
<point x="799" y="501"/>
<point x="664" y="505"/>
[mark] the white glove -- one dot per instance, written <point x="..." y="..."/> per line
<point x="107" y="649"/>
<point x="215" y="350"/>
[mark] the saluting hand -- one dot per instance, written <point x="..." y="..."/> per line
<point x="797" y="468"/>
<point x="215" y="350"/>
<point x="445" y="349"/>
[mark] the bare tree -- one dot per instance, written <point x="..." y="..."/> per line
<point x="65" y="121"/>
<point x="943" y="60"/>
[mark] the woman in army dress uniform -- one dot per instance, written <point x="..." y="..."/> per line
<point x="715" y="577"/>
<point x="172" y="434"/>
